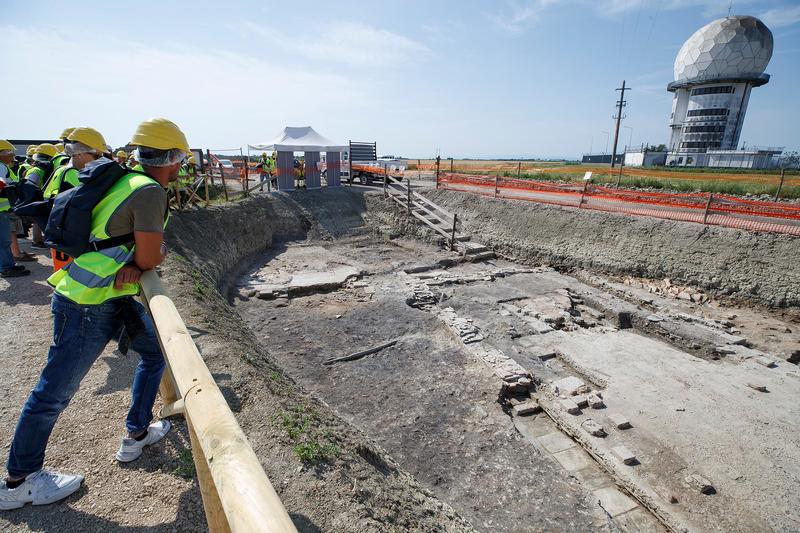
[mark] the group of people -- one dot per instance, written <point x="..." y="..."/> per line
<point x="92" y="302"/>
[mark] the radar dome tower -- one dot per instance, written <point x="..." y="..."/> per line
<point x="715" y="70"/>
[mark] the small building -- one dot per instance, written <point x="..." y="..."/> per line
<point x="645" y="158"/>
<point x="601" y="159"/>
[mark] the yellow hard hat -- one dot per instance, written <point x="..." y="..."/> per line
<point x="161" y="134"/>
<point x="30" y="150"/>
<point x="60" y="147"/>
<point x="65" y="134"/>
<point x="190" y="159"/>
<point x="90" y="137"/>
<point x="5" y="145"/>
<point x="122" y="154"/>
<point x="46" y="149"/>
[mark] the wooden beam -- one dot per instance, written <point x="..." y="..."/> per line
<point x="246" y="496"/>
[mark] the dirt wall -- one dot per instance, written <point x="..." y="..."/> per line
<point x="761" y="268"/>
<point x="329" y="475"/>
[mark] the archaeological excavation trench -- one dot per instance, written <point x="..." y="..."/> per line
<point x="601" y="372"/>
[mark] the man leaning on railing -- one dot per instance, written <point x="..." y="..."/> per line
<point x="93" y="302"/>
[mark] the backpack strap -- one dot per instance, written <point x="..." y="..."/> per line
<point x="111" y="242"/>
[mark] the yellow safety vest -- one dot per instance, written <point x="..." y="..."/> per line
<point x="5" y="205"/>
<point x="89" y="279"/>
<point x="62" y="174"/>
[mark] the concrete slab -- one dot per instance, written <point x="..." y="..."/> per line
<point x="573" y="459"/>
<point x="310" y="281"/>
<point x="638" y="520"/>
<point x="556" y="442"/>
<point x="569" y="385"/>
<point x="614" y="502"/>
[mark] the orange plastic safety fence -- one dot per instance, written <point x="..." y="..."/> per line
<point x="723" y="210"/>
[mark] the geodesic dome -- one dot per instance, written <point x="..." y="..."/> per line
<point x="730" y="47"/>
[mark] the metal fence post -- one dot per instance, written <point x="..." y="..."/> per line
<point x="619" y="176"/>
<point x="385" y="185"/>
<point x="224" y="185"/>
<point x="519" y="168"/>
<point x="495" y="186"/>
<point x="438" y="159"/>
<point x="708" y="206"/>
<point x="205" y="186"/>
<point x="408" y="195"/>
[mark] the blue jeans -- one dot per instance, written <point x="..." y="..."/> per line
<point x="6" y="257"/>
<point x="80" y="333"/>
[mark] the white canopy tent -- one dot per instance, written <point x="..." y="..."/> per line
<point x="299" y="139"/>
<point x="303" y="139"/>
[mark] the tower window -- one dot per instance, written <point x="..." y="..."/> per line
<point x="707" y="112"/>
<point x="719" y="89"/>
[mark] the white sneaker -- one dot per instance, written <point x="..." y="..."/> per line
<point x="39" y="488"/>
<point x="131" y="449"/>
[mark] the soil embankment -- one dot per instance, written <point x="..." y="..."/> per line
<point x="758" y="268"/>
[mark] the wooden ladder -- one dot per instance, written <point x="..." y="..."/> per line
<point x="435" y="217"/>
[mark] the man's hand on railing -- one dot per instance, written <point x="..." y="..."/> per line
<point x="128" y="274"/>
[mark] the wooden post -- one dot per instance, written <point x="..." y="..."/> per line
<point x="519" y="168"/>
<point x="438" y="159"/>
<point x="385" y="185"/>
<point x="495" y="186"/>
<point x="708" y="206"/>
<point x="619" y="176"/>
<point x="177" y="194"/>
<point x="451" y="164"/>
<point x="583" y="193"/>
<point x="210" y="168"/>
<point x="205" y="186"/>
<point x="224" y="186"/>
<point x="453" y="234"/>
<point x="408" y="200"/>
<point x="780" y="185"/>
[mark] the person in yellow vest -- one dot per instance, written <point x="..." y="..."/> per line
<point x="28" y="163"/>
<point x="93" y="300"/>
<point x="61" y="158"/>
<point x="8" y="233"/>
<point x="84" y="145"/>
<point x="39" y="174"/>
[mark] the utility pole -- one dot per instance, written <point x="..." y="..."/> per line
<point x="619" y="117"/>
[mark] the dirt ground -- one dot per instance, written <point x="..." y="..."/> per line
<point x="434" y="405"/>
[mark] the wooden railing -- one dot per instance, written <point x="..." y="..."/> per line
<point x="237" y="495"/>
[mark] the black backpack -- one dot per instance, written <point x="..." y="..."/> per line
<point x="29" y="201"/>
<point x="70" y="222"/>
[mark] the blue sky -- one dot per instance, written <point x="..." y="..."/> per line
<point x="467" y="78"/>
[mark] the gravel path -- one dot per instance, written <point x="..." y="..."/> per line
<point x="148" y="494"/>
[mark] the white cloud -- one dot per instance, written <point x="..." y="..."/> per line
<point x="517" y="17"/>
<point x="112" y="84"/>
<point x="780" y="17"/>
<point x="343" y="42"/>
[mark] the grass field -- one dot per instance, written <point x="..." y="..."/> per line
<point x="735" y="182"/>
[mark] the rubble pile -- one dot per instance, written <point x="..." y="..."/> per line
<point x="666" y="289"/>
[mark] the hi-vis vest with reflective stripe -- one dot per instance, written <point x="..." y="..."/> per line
<point x="60" y="160"/>
<point x="5" y="205"/>
<point x="89" y="279"/>
<point x="65" y="173"/>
